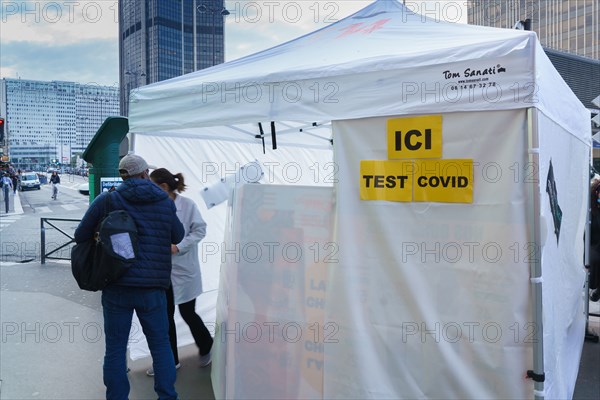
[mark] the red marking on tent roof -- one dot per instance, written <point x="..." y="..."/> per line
<point x="363" y="28"/>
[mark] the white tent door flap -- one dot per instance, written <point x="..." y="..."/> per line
<point x="269" y="334"/>
<point x="432" y="298"/>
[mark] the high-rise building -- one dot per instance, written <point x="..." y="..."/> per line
<point x="54" y="120"/>
<point x="567" y="25"/>
<point x="569" y="31"/>
<point x="162" y="39"/>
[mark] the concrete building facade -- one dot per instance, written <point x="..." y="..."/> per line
<point x="567" y="25"/>
<point x="569" y="30"/>
<point x="53" y="120"/>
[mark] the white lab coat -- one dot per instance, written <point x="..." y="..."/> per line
<point x="186" y="276"/>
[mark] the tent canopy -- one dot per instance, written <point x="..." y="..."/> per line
<point x="382" y="60"/>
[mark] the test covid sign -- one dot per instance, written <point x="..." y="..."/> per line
<point x="415" y="170"/>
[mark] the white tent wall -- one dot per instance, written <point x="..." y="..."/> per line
<point x="203" y="163"/>
<point x="563" y="275"/>
<point x="428" y="296"/>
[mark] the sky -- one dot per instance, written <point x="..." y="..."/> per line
<point x="77" y="40"/>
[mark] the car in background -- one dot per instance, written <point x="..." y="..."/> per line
<point x="29" y="180"/>
<point x="84" y="189"/>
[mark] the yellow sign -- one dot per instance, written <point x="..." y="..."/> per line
<point x="386" y="180"/>
<point x="415" y="137"/>
<point x="446" y="181"/>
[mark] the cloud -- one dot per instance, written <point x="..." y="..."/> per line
<point x="89" y="61"/>
<point x="53" y="22"/>
<point x="253" y="26"/>
<point x="79" y="40"/>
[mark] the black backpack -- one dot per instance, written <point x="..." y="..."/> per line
<point x="102" y="260"/>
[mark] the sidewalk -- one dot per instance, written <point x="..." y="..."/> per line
<point x="52" y="333"/>
<point x="53" y="343"/>
<point x="588" y="380"/>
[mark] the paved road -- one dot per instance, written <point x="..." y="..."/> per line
<point x="20" y="229"/>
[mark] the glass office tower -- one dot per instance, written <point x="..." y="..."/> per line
<point x="162" y="39"/>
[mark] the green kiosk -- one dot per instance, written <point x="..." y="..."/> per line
<point x="104" y="153"/>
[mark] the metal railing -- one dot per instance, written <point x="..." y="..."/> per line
<point x="49" y="255"/>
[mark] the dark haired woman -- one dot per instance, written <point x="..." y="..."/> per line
<point x="186" y="279"/>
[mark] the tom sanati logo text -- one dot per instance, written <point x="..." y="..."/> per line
<point x="469" y="72"/>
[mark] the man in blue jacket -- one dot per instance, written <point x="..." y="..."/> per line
<point x="142" y="288"/>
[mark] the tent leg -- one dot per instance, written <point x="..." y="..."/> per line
<point x="536" y="264"/>
<point x="590" y="336"/>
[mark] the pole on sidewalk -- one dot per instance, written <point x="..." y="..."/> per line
<point x="43" y="241"/>
<point x="8" y="199"/>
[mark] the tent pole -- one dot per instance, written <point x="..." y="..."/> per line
<point x="131" y="142"/>
<point x="536" y="262"/>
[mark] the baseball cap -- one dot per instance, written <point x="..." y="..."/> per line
<point x="132" y="164"/>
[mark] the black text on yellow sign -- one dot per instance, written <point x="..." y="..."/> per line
<point x="414" y="137"/>
<point x="447" y="181"/>
<point x="386" y="180"/>
<point x="442" y="181"/>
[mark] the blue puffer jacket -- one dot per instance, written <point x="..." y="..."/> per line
<point x="158" y="226"/>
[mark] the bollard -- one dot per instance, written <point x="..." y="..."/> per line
<point x="8" y="198"/>
<point x="43" y="241"/>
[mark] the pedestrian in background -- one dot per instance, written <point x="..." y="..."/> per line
<point x="186" y="278"/>
<point x="6" y="188"/>
<point x="15" y="183"/>
<point x="143" y="287"/>
<point x="55" y="181"/>
<point x="594" y="272"/>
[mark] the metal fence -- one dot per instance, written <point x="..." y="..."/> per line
<point x="54" y="254"/>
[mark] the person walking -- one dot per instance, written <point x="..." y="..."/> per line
<point x="143" y="287"/>
<point x="6" y="189"/>
<point x="186" y="278"/>
<point x="55" y="181"/>
<point x="15" y="182"/>
<point x="594" y="272"/>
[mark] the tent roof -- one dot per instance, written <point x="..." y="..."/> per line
<point x="382" y="60"/>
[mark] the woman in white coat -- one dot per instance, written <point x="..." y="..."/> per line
<point x="186" y="279"/>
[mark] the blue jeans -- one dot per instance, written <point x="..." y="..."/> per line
<point x="150" y="305"/>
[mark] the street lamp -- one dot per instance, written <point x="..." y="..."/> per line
<point x="83" y="135"/>
<point x="135" y="73"/>
<point x="101" y="100"/>
<point x="129" y="87"/>
<point x="223" y="12"/>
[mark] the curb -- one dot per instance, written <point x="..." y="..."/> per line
<point x="18" y="206"/>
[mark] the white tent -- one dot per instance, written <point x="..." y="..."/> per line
<point x="378" y="61"/>
<point x="500" y="104"/>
